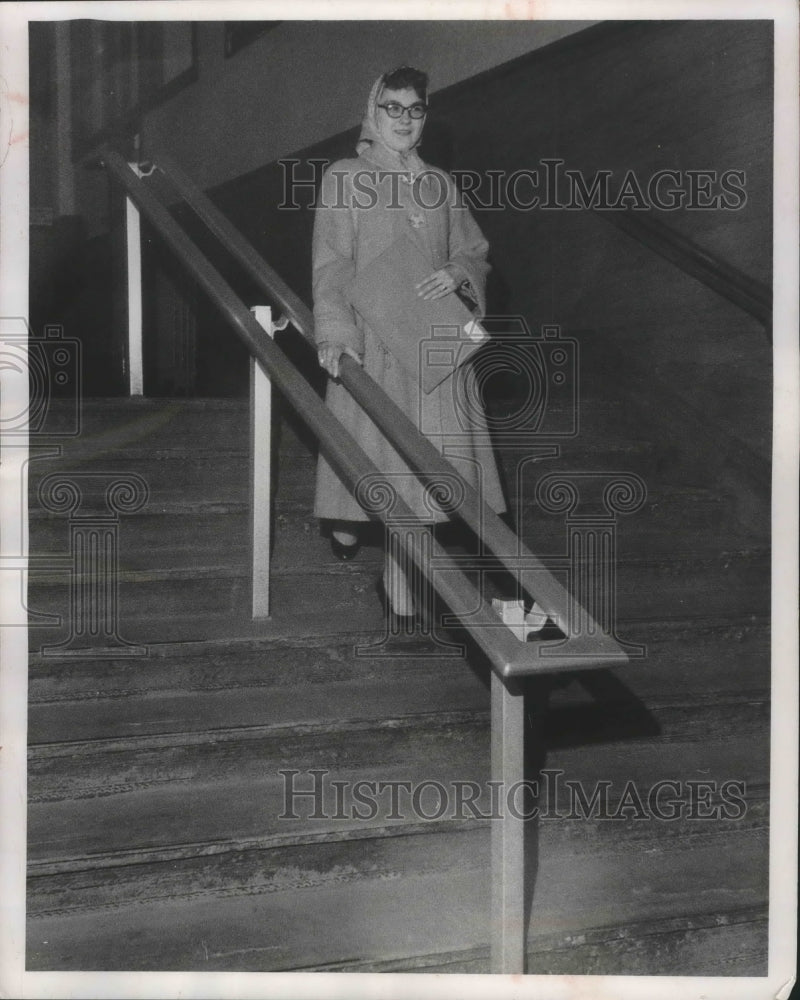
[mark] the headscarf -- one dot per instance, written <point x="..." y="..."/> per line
<point x="370" y="134"/>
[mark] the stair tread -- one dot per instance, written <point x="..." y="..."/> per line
<point x="320" y="704"/>
<point x="116" y="795"/>
<point x="134" y="568"/>
<point x="223" y="478"/>
<point x="401" y="897"/>
<point x="204" y="602"/>
<point x="183" y="532"/>
<point x="733" y="945"/>
<point x="717" y="654"/>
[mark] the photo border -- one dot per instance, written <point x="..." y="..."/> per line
<point x="14" y="980"/>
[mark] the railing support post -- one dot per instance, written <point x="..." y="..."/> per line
<point x="133" y="251"/>
<point x="508" y="856"/>
<point x="260" y="472"/>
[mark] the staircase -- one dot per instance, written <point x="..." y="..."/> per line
<point x="154" y="781"/>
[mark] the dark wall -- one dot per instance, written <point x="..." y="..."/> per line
<point x="41" y="114"/>
<point x="622" y="97"/>
<point x="639" y="97"/>
<point x="75" y="281"/>
<point x="78" y="284"/>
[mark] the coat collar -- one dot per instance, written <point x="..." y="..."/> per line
<point x="385" y="158"/>
<point x="419" y="221"/>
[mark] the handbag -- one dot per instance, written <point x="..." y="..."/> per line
<point x="430" y="338"/>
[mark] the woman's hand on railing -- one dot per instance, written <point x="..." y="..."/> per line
<point x="329" y="355"/>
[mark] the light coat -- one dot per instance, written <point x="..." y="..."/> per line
<point x="363" y="208"/>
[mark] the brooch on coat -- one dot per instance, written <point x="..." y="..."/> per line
<point x="417" y="220"/>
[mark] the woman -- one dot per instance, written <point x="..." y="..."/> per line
<point x="367" y="204"/>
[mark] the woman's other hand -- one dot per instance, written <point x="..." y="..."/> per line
<point x="436" y="285"/>
<point x="329" y="355"/>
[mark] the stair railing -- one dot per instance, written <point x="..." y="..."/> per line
<point x="510" y="658"/>
<point x="685" y="419"/>
<point x="725" y="279"/>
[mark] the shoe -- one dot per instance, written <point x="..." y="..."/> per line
<point x="342" y="551"/>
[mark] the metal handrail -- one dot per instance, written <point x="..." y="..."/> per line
<point x="427" y="462"/>
<point x="749" y="294"/>
<point x="507" y="654"/>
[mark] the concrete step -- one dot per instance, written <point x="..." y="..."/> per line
<point x="198" y="603"/>
<point x="418" y="901"/>
<point x="731" y="944"/>
<point x="175" y="474"/>
<point x="187" y="533"/>
<point x="170" y="475"/>
<point x="155" y="605"/>
<point x="68" y="710"/>
<point x="207" y="535"/>
<point x="99" y="797"/>
<point x="143" y="430"/>
<point x="722" y="655"/>
<point x="106" y="425"/>
<point x="410" y="686"/>
<point x="94" y="799"/>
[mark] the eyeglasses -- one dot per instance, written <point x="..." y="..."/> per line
<point x="395" y="110"/>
